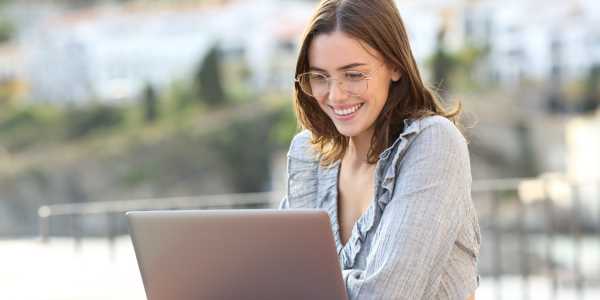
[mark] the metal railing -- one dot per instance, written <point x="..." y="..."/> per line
<point x="522" y="221"/>
<point x="528" y="223"/>
<point x="114" y="211"/>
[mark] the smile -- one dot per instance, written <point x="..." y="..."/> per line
<point x="347" y="111"/>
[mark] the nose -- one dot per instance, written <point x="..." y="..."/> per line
<point x="335" y="91"/>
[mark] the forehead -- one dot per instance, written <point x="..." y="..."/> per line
<point x="330" y="51"/>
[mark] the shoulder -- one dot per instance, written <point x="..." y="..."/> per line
<point x="301" y="147"/>
<point x="433" y="150"/>
<point x="429" y="142"/>
<point x="438" y="132"/>
<point x="439" y="123"/>
<point x="435" y="140"/>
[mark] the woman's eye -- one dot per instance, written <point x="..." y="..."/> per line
<point x="317" y="77"/>
<point x="354" y="75"/>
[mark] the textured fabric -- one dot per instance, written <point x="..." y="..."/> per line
<point x="420" y="238"/>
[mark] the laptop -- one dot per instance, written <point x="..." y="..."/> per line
<point x="236" y="254"/>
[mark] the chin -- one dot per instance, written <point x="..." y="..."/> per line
<point x="348" y="131"/>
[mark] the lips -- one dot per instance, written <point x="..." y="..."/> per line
<point x="346" y="110"/>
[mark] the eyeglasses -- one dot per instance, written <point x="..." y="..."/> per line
<point x="317" y="85"/>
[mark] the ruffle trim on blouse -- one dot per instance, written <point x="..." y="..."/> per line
<point x="304" y="168"/>
<point x="366" y="221"/>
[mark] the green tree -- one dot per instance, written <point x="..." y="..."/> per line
<point x="150" y="104"/>
<point x="443" y="63"/>
<point x="591" y="98"/>
<point x="7" y="31"/>
<point x="82" y="121"/>
<point x="284" y="126"/>
<point x="208" y="80"/>
<point x="245" y="147"/>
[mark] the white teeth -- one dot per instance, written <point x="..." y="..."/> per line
<point x="347" y="111"/>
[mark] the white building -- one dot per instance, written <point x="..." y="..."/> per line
<point x="538" y="39"/>
<point x="111" y="53"/>
<point x="527" y="39"/>
<point x="583" y="160"/>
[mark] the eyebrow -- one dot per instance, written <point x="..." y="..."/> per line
<point x="342" y="68"/>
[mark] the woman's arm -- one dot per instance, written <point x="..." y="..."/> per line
<point x="420" y="223"/>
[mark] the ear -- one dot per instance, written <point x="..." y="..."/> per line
<point x="396" y="75"/>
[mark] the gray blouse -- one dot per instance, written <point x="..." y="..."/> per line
<point x="420" y="238"/>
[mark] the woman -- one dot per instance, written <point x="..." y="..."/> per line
<point x="382" y="157"/>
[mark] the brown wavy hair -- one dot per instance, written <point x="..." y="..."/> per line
<point x="378" y="24"/>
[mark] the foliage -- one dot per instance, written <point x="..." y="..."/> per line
<point x="22" y="117"/>
<point x="284" y="126"/>
<point x="442" y="64"/>
<point x="140" y="174"/>
<point x="208" y="80"/>
<point x="150" y="104"/>
<point x="591" y="97"/>
<point x="82" y="121"/>
<point x="452" y="70"/>
<point x="22" y="127"/>
<point x="245" y="150"/>
<point x="7" y="31"/>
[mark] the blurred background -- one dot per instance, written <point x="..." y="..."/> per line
<point x="108" y="106"/>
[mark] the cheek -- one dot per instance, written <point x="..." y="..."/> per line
<point x="379" y="95"/>
<point x="324" y="107"/>
<point x="322" y="104"/>
<point x="384" y="91"/>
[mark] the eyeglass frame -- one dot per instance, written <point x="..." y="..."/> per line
<point x="368" y="76"/>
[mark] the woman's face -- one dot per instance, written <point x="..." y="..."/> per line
<point x="338" y="56"/>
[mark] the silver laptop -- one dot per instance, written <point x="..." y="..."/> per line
<point x="264" y="254"/>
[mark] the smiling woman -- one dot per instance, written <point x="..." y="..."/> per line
<point x="352" y="107"/>
<point x="382" y="156"/>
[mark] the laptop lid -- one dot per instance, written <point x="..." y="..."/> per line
<point x="236" y="254"/>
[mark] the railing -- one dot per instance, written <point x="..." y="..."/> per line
<point x="114" y="211"/>
<point x="536" y="228"/>
<point x="525" y="223"/>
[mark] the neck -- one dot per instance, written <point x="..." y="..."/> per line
<point x="358" y="148"/>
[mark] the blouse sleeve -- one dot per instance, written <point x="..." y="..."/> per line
<point x="420" y="223"/>
<point x="302" y="181"/>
